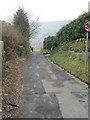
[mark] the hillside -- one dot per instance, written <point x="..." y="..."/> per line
<point x="51" y="28"/>
<point x="70" y="32"/>
<point x="71" y="57"/>
<point x="47" y="29"/>
<point x="68" y="47"/>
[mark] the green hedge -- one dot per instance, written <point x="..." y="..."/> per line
<point x="70" y="32"/>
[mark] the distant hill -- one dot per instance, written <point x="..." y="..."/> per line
<point x="50" y="28"/>
<point x="47" y="29"/>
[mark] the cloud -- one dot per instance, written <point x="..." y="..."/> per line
<point x="47" y="10"/>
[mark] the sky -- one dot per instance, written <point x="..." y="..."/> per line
<point x="45" y="10"/>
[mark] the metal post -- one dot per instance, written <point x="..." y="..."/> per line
<point x="86" y="52"/>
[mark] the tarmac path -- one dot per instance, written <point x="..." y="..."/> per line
<point x="51" y="92"/>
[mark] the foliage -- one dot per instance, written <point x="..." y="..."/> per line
<point x="32" y="49"/>
<point x="13" y="41"/>
<point x="70" y="32"/>
<point x="72" y="62"/>
<point x="50" y="42"/>
<point x="25" y="23"/>
<point x="12" y="87"/>
<point x="20" y="50"/>
<point x="44" y="51"/>
<point x="78" y="45"/>
<point x="20" y="20"/>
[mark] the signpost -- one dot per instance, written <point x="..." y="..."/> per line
<point x="87" y="29"/>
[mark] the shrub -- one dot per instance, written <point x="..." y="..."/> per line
<point x="73" y="57"/>
<point x="20" y="50"/>
<point x="70" y="32"/>
<point x="14" y="43"/>
<point x="77" y="46"/>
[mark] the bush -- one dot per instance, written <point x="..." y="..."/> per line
<point x="78" y="45"/>
<point x="73" y="57"/>
<point x="20" y="50"/>
<point x="69" y="33"/>
<point x="14" y="43"/>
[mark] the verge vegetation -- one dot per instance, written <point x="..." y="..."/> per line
<point x="68" y="47"/>
<point x="17" y="48"/>
<point x="70" y="32"/>
<point x="71" y="57"/>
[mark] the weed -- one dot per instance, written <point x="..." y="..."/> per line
<point x="72" y="62"/>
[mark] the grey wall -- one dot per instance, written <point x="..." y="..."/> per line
<point x="0" y="30"/>
<point x="1" y="48"/>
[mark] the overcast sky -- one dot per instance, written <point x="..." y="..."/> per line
<point x="46" y="10"/>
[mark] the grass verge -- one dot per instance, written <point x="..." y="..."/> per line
<point x="72" y="62"/>
<point x="12" y="87"/>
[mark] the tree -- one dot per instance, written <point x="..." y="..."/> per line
<point x="25" y="23"/>
<point x="34" y="25"/>
<point x="20" y="20"/>
<point x="70" y="32"/>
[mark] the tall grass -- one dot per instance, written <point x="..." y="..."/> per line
<point x="71" y="56"/>
<point x="72" y="62"/>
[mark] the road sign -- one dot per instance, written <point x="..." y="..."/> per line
<point x="87" y="26"/>
<point x="87" y="29"/>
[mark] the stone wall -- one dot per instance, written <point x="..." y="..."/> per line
<point x="1" y="51"/>
<point x="0" y="30"/>
<point x="1" y="48"/>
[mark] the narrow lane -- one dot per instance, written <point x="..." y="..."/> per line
<point x="51" y="92"/>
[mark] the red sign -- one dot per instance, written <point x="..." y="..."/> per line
<point x="87" y="26"/>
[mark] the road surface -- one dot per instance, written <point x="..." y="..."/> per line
<point x="50" y="92"/>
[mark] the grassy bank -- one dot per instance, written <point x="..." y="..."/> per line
<point x="12" y="87"/>
<point x="16" y="50"/>
<point x="71" y="61"/>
